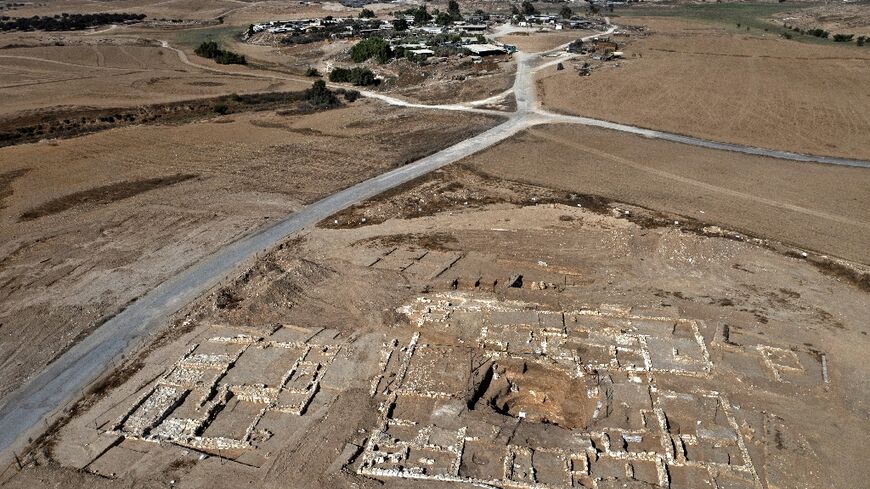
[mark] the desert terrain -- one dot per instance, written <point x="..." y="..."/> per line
<point x="398" y="360"/>
<point x="88" y="229"/>
<point x="766" y="88"/>
<point x="449" y="270"/>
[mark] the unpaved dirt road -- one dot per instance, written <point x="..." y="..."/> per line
<point x="88" y="360"/>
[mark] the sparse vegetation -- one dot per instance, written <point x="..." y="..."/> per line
<point x="65" y="22"/>
<point x="211" y="50"/>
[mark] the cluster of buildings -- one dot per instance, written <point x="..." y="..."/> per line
<point x="557" y="22"/>
<point x="419" y="40"/>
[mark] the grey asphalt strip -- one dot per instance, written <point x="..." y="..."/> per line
<point x="73" y="371"/>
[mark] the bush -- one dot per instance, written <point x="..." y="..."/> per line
<point x="818" y="33"/>
<point x="366" y="14"/>
<point x="357" y="76"/>
<point x="860" y="41"/>
<point x="220" y="108"/>
<point x="373" y="47"/>
<point x="843" y="37"/>
<point x="211" y="50"/>
<point x="320" y="96"/>
<point x="351" y="95"/>
<point x="312" y="72"/>
<point x="566" y="12"/>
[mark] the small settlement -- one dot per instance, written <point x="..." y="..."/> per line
<point x="415" y="32"/>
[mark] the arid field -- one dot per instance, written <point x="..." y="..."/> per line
<point x="322" y="245"/>
<point x="748" y="88"/>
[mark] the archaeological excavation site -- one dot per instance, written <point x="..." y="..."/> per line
<point x="443" y="349"/>
<point x="434" y="244"/>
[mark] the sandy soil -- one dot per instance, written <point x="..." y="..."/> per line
<point x="112" y="72"/>
<point x="700" y="80"/>
<point x="452" y="81"/>
<point x="836" y="19"/>
<point x="543" y="41"/>
<point x="99" y="230"/>
<point x="768" y="322"/>
<point x="817" y="207"/>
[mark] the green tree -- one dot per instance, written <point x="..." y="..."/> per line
<point x="400" y="24"/>
<point x="373" y="47"/>
<point x="529" y="8"/>
<point x="367" y="14"/>
<point x="566" y="12"/>
<point x="443" y="18"/>
<point x="453" y="10"/>
<point x="421" y="15"/>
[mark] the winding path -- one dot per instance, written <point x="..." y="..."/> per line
<point x="60" y="383"/>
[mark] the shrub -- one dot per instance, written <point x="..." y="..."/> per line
<point x="211" y="50"/>
<point x="351" y="95"/>
<point x="843" y="37"/>
<point x="860" y="41"/>
<point x="220" y="108"/>
<point x="818" y="33"/>
<point x="320" y="96"/>
<point x="566" y="12"/>
<point x="366" y="14"/>
<point x="373" y="47"/>
<point x="357" y="76"/>
<point x="311" y="71"/>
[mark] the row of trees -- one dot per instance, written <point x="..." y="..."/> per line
<point x="823" y="34"/>
<point x="211" y="50"/>
<point x="64" y="22"/>
<point x="421" y="15"/>
<point x="358" y="76"/>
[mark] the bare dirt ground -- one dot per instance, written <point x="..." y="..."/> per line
<point x="837" y="19"/>
<point x="93" y="222"/>
<point x="816" y="207"/>
<point x="704" y="81"/>
<point x="543" y="41"/>
<point x="449" y="80"/>
<point x="573" y="307"/>
<point x="388" y="352"/>
<point x="109" y="72"/>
